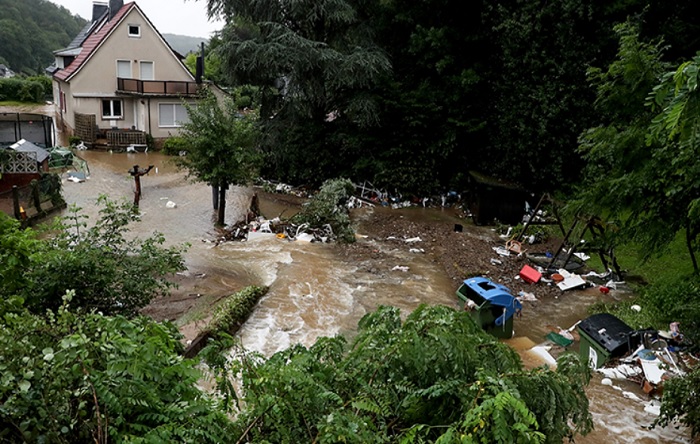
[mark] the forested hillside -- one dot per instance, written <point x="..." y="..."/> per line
<point x="30" y="30"/>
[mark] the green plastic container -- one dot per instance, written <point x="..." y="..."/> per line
<point x="603" y="336"/>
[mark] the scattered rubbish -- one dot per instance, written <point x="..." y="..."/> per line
<point x="560" y="339"/>
<point x="525" y="296"/>
<point x="606" y="381"/>
<point x="571" y="280"/>
<point x="501" y="251"/>
<point x="496" y="261"/>
<point x="76" y="176"/>
<point x="529" y="274"/>
<point x="636" y="308"/>
<point x="413" y="239"/>
<point x="400" y="268"/>
<point x="542" y="351"/>
<point x="603" y="289"/>
<point x="305" y="237"/>
<point x="170" y="204"/>
<point x="582" y="256"/>
<point x="416" y="250"/>
<point x="81" y="146"/>
<point x="514" y="246"/>
<point x="622" y="371"/>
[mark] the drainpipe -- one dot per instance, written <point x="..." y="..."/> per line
<point x="149" y="117"/>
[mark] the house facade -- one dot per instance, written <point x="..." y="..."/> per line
<point x="120" y="80"/>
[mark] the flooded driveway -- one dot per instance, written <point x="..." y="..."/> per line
<point x="314" y="290"/>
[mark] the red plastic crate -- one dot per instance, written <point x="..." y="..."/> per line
<point x="530" y="275"/>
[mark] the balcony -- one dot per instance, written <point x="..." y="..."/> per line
<point x="156" y="87"/>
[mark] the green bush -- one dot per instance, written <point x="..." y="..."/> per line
<point x="31" y="89"/>
<point x="173" y="145"/>
<point x="9" y="88"/>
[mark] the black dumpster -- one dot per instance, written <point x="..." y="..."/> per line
<point x="603" y="336"/>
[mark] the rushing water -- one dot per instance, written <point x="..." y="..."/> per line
<point x="314" y="292"/>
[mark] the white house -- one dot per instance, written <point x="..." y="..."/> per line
<point x="119" y="79"/>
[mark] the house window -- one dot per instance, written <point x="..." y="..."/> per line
<point x="124" y="69"/>
<point x="112" y="109"/>
<point x="146" y="70"/>
<point x="134" y="31"/>
<point x="172" y="115"/>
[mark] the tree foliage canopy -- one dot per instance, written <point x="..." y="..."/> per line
<point x="436" y="377"/>
<point x="75" y="377"/>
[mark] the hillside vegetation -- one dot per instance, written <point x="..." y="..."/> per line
<point x="30" y="30"/>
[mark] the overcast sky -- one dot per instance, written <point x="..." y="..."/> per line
<point x="168" y="16"/>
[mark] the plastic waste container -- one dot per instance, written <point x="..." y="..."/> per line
<point x="603" y="336"/>
<point x="492" y="306"/>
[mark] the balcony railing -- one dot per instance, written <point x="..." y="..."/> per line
<point x="157" y="87"/>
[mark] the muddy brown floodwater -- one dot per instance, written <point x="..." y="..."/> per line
<point x="322" y="290"/>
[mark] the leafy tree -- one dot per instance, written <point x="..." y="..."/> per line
<point x="221" y="146"/>
<point x="436" y="377"/>
<point x="109" y="272"/>
<point x="70" y="377"/>
<point x="316" y="65"/>
<point x="675" y="135"/>
<point x="641" y="164"/>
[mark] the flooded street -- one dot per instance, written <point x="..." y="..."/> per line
<point x="314" y="290"/>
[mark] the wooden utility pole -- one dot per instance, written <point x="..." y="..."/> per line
<point x="137" y="172"/>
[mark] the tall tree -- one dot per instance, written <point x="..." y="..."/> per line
<point x="316" y="64"/>
<point x="220" y="144"/>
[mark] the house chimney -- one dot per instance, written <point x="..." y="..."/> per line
<point x="98" y="9"/>
<point x="114" y="7"/>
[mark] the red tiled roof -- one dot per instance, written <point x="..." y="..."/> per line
<point x="93" y="42"/>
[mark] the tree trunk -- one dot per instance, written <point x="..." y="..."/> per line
<point x="215" y="196"/>
<point x="222" y="203"/>
<point x="689" y="243"/>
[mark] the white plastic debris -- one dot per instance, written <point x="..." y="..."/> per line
<point x="416" y="250"/>
<point x="496" y="261"/>
<point x="413" y="239"/>
<point x="582" y="256"/>
<point x="400" y="268"/>
<point x="636" y="308"/>
<point x="170" y="204"/>
<point x="607" y="381"/>
<point x="501" y="251"/>
<point x="304" y="237"/>
<point x="620" y="372"/>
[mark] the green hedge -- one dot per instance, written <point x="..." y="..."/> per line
<point x="30" y="89"/>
